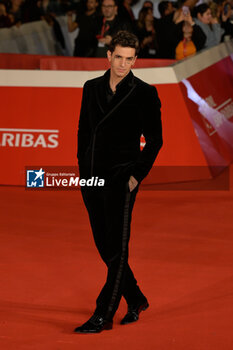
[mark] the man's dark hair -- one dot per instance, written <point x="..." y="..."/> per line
<point x="162" y="6"/>
<point x="125" y="39"/>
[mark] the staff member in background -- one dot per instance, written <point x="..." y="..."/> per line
<point x="86" y="42"/>
<point x="108" y="25"/>
<point x="116" y="109"/>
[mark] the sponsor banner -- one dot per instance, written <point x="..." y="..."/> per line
<point x="209" y="98"/>
<point x="29" y="138"/>
<point x="27" y="61"/>
<point x="38" y="126"/>
<point x="43" y="130"/>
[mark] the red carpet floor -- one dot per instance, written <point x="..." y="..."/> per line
<point x="181" y="251"/>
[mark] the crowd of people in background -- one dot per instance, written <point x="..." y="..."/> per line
<point x="184" y="27"/>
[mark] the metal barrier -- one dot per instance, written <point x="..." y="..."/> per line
<point x="36" y="38"/>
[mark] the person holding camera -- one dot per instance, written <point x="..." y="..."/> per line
<point x="170" y="30"/>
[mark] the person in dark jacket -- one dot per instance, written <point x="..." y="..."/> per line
<point x="117" y="108"/>
<point x="125" y="11"/>
<point x="86" y="42"/>
<point x="108" y="25"/>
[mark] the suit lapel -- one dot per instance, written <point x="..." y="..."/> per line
<point x="123" y="92"/>
<point x="117" y="105"/>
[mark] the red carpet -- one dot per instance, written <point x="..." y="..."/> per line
<point x="181" y="251"/>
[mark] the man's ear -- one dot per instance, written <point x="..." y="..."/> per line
<point x="199" y="16"/>
<point x="109" y="55"/>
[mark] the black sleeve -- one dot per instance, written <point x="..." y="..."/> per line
<point x="84" y="130"/>
<point x="198" y="37"/>
<point x="152" y="131"/>
<point x="228" y="27"/>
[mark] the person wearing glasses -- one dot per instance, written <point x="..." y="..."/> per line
<point x="108" y="25"/>
<point x="117" y="108"/>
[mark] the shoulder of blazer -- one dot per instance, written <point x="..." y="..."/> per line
<point x="143" y="85"/>
<point x="93" y="82"/>
<point x="144" y="89"/>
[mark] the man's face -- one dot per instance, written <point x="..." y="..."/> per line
<point x="109" y="9"/>
<point x="92" y="5"/>
<point x="121" y="60"/>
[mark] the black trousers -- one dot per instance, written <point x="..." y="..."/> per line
<point x="110" y="212"/>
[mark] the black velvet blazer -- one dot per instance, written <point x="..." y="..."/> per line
<point x="109" y="133"/>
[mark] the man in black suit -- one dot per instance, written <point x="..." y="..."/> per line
<point x="117" y="108"/>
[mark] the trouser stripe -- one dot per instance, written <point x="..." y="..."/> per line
<point x="123" y="257"/>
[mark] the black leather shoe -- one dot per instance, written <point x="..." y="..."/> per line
<point x="95" y="324"/>
<point x="133" y="312"/>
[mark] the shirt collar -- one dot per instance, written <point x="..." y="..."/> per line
<point x="128" y="80"/>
